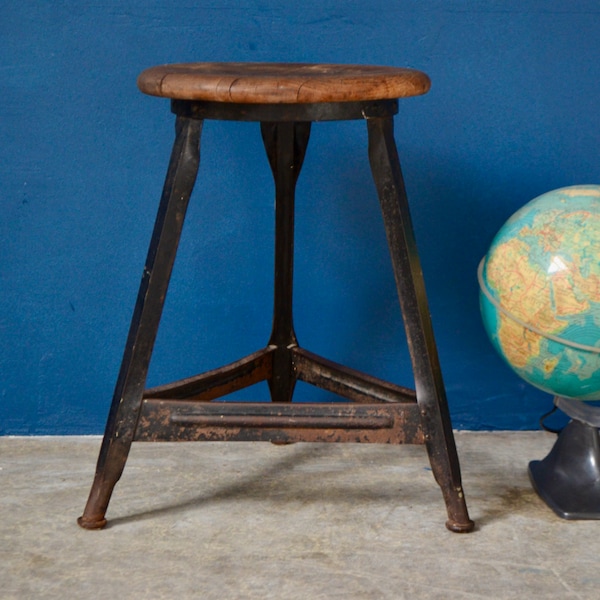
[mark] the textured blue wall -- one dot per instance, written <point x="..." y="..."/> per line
<point x="513" y="112"/>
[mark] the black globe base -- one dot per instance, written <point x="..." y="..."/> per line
<point x="568" y="479"/>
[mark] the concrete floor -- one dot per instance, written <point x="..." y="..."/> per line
<point x="247" y="520"/>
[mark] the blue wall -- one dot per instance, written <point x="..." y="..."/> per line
<point x="512" y="113"/>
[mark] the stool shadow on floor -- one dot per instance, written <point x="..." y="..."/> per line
<point x="499" y="487"/>
<point x="508" y="500"/>
<point x="305" y="475"/>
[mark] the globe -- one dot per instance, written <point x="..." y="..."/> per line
<point x="540" y="292"/>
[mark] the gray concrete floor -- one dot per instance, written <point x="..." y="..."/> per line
<point x="248" y="520"/>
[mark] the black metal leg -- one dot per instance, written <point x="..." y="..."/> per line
<point x="285" y="144"/>
<point x="126" y="404"/>
<point x="429" y="386"/>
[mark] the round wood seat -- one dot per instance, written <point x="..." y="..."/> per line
<point x="281" y="83"/>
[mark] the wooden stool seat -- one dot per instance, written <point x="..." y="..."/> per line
<point x="276" y="83"/>
<point x="285" y="99"/>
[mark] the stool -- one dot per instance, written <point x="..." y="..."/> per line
<point x="285" y="99"/>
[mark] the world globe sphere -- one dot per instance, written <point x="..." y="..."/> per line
<point x="540" y="292"/>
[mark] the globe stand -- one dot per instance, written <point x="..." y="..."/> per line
<point x="568" y="479"/>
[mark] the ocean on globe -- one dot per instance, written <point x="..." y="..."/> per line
<point x="540" y="292"/>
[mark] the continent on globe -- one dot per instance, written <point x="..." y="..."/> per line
<point x="540" y="292"/>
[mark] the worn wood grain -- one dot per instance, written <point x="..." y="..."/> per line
<point x="281" y="83"/>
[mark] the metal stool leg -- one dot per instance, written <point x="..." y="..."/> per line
<point x="285" y="144"/>
<point x="429" y="386"/>
<point x="127" y="399"/>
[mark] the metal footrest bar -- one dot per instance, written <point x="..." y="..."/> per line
<point x="171" y="420"/>
<point x="308" y="367"/>
<point x="343" y="381"/>
<point x="219" y="382"/>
